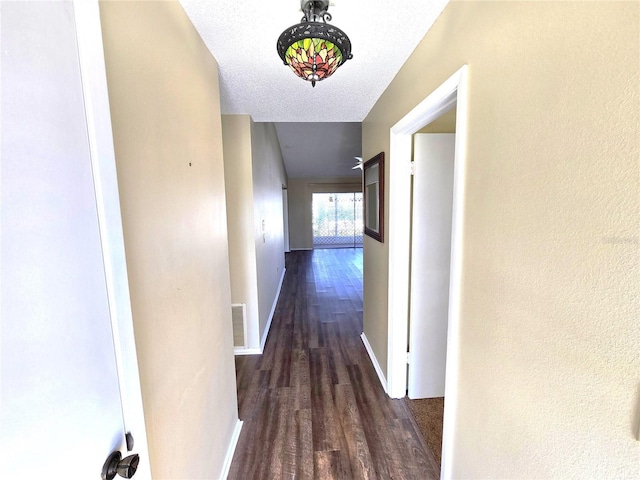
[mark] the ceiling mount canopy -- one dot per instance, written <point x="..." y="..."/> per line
<point x="313" y="49"/>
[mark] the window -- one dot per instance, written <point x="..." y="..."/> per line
<point x="337" y="220"/>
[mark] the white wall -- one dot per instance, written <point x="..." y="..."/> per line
<point x="165" y="109"/>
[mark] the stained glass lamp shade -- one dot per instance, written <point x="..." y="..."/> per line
<point x="314" y="50"/>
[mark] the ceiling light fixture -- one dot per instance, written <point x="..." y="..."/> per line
<point x="313" y="49"/>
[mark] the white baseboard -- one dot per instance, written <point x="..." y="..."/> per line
<point x="374" y="360"/>
<point x="273" y="311"/>
<point x="297" y="249"/>
<point x="246" y="351"/>
<point x="231" y="450"/>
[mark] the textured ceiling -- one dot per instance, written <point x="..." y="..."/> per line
<point x="242" y="36"/>
<point x="320" y="150"/>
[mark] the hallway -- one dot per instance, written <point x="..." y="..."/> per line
<point x="312" y="404"/>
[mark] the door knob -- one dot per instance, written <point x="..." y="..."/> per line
<point x="116" y="465"/>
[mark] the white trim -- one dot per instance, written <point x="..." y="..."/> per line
<point x="452" y="91"/>
<point x="399" y="244"/>
<point x="100" y="138"/>
<point x="247" y="351"/>
<point x="455" y="283"/>
<point x="297" y="249"/>
<point x="233" y="443"/>
<point x="374" y="360"/>
<point x="273" y="311"/>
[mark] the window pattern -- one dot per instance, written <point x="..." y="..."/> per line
<point x="337" y="220"/>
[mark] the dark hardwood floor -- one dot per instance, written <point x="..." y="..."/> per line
<point x="312" y="404"/>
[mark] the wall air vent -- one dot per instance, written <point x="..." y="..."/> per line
<point x="238" y="317"/>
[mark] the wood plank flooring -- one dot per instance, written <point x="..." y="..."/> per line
<point x="312" y="404"/>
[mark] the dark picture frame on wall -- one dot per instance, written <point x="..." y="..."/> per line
<point x="373" y="197"/>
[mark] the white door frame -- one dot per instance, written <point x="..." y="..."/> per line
<point x="452" y="92"/>
<point x="103" y="163"/>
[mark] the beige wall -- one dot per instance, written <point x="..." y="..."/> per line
<point x="238" y="176"/>
<point x="269" y="176"/>
<point x="254" y="176"/>
<point x="549" y="380"/>
<point x="300" y="214"/>
<point x="163" y="89"/>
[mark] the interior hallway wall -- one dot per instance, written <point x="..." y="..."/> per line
<point x="238" y="177"/>
<point x="269" y="176"/>
<point x="164" y="98"/>
<point x="254" y="176"/>
<point x="550" y="367"/>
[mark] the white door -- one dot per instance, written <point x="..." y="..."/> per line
<point x="61" y="412"/>
<point x="430" y="263"/>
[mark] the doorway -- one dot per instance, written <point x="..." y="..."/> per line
<point x="452" y="92"/>
<point x="432" y="201"/>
